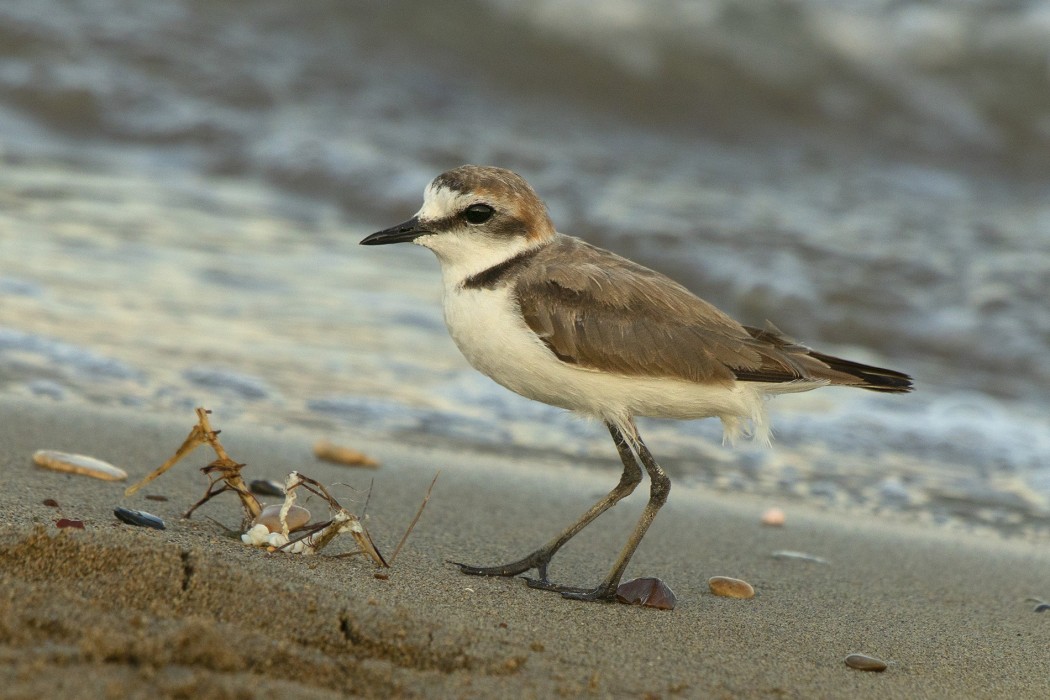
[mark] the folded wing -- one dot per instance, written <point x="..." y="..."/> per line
<point x="599" y="311"/>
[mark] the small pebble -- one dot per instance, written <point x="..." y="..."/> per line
<point x="78" y="464"/>
<point x="380" y="576"/>
<point x="343" y="455"/>
<point x="156" y="497"/>
<point x="266" y="487"/>
<point x="66" y="522"/>
<point x="271" y="517"/>
<point x="730" y="587"/>
<point x="50" y="503"/>
<point x="862" y="662"/>
<point x="774" y="517"/>
<point x="139" y="517"/>
<point x="649" y="592"/>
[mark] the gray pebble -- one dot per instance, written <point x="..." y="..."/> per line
<point x="266" y="487"/>
<point x="139" y="517"/>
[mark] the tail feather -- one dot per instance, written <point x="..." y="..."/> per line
<point x="872" y="378"/>
<point x="786" y="361"/>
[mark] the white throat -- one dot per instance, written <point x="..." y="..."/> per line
<point x="464" y="253"/>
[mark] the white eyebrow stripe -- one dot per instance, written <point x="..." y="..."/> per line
<point x="440" y="202"/>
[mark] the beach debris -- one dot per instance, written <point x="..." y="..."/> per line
<point x="267" y="487"/>
<point x="138" y="517"/>
<point x="316" y="536"/>
<point x="730" y="587"/>
<point x="415" y="518"/>
<point x="648" y="592"/>
<point x="774" y="517"/>
<point x="1040" y="604"/>
<point x="273" y="527"/>
<point x="78" y="464"/>
<point x="50" y="503"/>
<point x="295" y="517"/>
<point x="801" y="556"/>
<point x="338" y="454"/>
<point x="67" y="522"/>
<point x="863" y="662"/>
<point x="223" y="474"/>
<point x="156" y="497"/>
<point x="381" y="576"/>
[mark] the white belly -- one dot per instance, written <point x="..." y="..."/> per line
<point x="488" y="329"/>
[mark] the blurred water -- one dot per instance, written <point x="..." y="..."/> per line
<point x="183" y="184"/>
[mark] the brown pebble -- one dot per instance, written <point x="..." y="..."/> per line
<point x="730" y="587"/>
<point x="271" y="517"/>
<point x="156" y="497"/>
<point x="66" y="522"/>
<point x="862" y="662"/>
<point x="78" y="464"/>
<point x="50" y="503"/>
<point x="649" y="592"/>
<point x="343" y="455"/>
<point x="381" y="576"/>
<point x="774" y="517"/>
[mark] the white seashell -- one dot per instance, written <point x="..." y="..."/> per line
<point x="276" y="539"/>
<point x="256" y="536"/>
<point x="78" y="464"/>
<point x="801" y="556"/>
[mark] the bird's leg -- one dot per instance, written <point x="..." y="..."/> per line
<point x="659" y="489"/>
<point x="539" y="559"/>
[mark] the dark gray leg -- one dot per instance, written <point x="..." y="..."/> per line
<point x="659" y="489"/>
<point x="539" y="559"/>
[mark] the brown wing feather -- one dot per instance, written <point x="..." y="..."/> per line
<point x="597" y="310"/>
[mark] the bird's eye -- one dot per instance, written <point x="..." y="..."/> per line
<point x="478" y="213"/>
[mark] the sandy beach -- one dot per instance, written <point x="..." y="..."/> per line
<point x="183" y="189"/>
<point x="118" y="611"/>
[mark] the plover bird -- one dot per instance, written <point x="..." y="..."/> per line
<point x="560" y="321"/>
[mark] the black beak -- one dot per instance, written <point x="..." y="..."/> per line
<point x="402" y="233"/>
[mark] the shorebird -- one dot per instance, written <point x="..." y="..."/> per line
<point x="561" y="321"/>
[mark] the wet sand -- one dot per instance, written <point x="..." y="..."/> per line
<point x="118" y="611"/>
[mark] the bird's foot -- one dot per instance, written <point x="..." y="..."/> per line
<point x="601" y="593"/>
<point x="505" y="570"/>
<point x="537" y="560"/>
